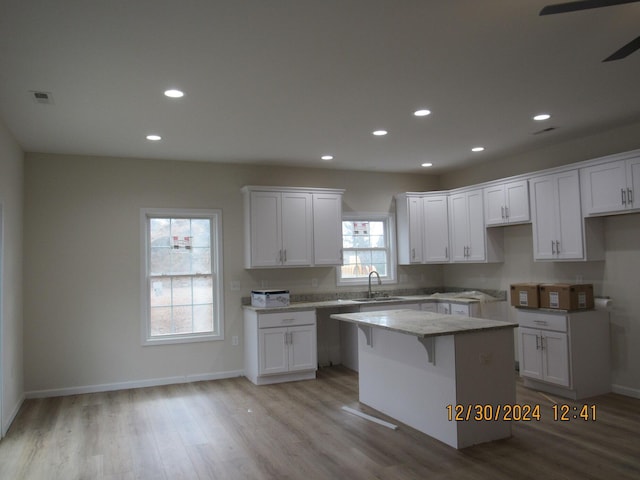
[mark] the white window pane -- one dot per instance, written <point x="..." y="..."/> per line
<point x="202" y="290"/>
<point x="181" y="261"/>
<point x="159" y="232"/>
<point x="160" y="294"/>
<point x="203" y="318"/>
<point x="160" y="320"/>
<point x="201" y="232"/>
<point x="182" y="319"/>
<point x="376" y="228"/>
<point x="181" y="291"/>
<point x="160" y="261"/>
<point x="200" y="260"/>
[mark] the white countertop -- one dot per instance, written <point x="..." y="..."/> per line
<point x="422" y="324"/>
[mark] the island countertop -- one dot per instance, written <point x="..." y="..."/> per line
<point x="422" y="324"/>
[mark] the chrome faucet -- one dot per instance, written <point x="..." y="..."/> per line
<point x="379" y="281"/>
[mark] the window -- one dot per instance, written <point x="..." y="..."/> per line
<point x="182" y="276"/>
<point x="367" y="246"/>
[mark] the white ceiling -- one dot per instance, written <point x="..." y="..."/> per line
<point x="286" y="81"/>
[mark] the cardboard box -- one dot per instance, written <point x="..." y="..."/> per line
<point x="269" y="298"/>
<point x="566" y="296"/>
<point x="525" y="295"/>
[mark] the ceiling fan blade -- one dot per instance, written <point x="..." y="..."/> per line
<point x="625" y="51"/>
<point x="581" y="5"/>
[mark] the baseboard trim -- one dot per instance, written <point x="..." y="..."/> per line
<point x="153" y="382"/>
<point x="629" y="392"/>
<point x="14" y="413"/>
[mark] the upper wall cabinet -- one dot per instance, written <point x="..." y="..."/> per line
<point x="611" y="187"/>
<point x="422" y="228"/>
<point x="279" y="226"/>
<point x="506" y="203"/>
<point x="469" y="239"/>
<point x="559" y="231"/>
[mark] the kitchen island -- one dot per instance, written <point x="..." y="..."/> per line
<point x="448" y="376"/>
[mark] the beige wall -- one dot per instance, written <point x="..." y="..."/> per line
<point x="615" y="276"/>
<point x="11" y="349"/>
<point x="82" y="261"/>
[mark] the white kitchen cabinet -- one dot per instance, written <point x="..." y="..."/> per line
<point x="507" y="203"/>
<point x="559" y="230"/>
<point x="327" y="228"/>
<point x="409" y="228"/>
<point x="279" y="227"/>
<point x="611" y="187"/>
<point x="565" y="353"/>
<point x="422" y="228"/>
<point x="435" y="228"/>
<point x="470" y="240"/>
<point x="280" y="347"/>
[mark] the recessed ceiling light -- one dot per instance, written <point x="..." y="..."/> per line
<point x="477" y="149"/>
<point x="428" y="164"/>
<point x="173" y="93"/>
<point x="154" y="138"/>
<point x="327" y="157"/>
<point x="380" y="133"/>
<point x="422" y="113"/>
<point x="542" y="116"/>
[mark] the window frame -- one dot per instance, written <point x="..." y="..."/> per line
<point x="215" y="217"/>
<point x="392" y="266"/>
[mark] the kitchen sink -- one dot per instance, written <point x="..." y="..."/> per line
<point x="377" y="299"/>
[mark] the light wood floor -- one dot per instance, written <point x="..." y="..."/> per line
<point x="231" y="429"/>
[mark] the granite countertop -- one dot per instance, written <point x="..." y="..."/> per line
<point x="396" y="300"/>
<point x="422" y="324"/>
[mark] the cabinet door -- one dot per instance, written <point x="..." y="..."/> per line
<point x="272" y="350"/>
<point x="415" y="229"/>
<point x="570" y="236"/>
<point x="633" y="183"/>
<point x="429" y="307"/>
<point x="544" y="212"/>
<point x="444" y="308"/>
<point x="458" y="227"/>
<point x="297" y="228"/>
<point x="266" y="229"/>
<point x="517" y="201"/>
<point x="555" y="358"/>
<point x="302" y="348"/>
<point x="530" y="354"/>
<point x="475" y="221"/>
<point x="459" y="309"/>
<point x="604" y="187"/>
<point x="436" y="229"/>
<point x="494" y="201"/>
<point x="327" y="229"/>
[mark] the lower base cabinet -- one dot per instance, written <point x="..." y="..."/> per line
<point x="565" y="353"/>
<point x="280" y="347"/>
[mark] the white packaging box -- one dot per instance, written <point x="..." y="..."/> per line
<point x="269" y="298"/>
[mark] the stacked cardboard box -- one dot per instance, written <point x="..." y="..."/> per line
<point x="561" y="296"/>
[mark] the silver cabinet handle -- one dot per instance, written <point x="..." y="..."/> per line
<point x="446" y="252"/>
<point x="502" y="210"/>
<point x="537" y="344"/>
<point x="506" y="212"/>
<point x="541" y="342"/>
<point x="553" y="247"/>
<point x="280" y="256"/>
<point x="558" y="247"/>
<point x="630" y="196"/>
<point x="623" y="193"/>
<point x="413" y="254"/>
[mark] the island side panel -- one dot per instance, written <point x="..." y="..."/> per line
<point x="485" y="378"/>
<point x="396" y="379"/>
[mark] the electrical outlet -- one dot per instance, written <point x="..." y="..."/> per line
<point x="234" y="340"/>
<point x="235" y="285"/>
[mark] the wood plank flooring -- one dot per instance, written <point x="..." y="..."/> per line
<point x="231" y="429"/>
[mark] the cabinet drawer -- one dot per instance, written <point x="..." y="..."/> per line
<point x="460" y="309"/>
<point x="543" y="321"/>
<point x="285" y="319"/>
